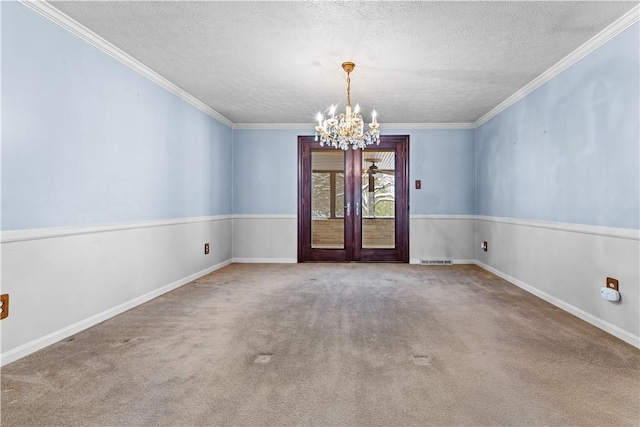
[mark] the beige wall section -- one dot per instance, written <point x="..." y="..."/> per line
<point x="327" y="233"/>
<point x="62" y="281"/>
<point x="376" y="233"/>
<point x="567" y="265"/>
<point x="265" y="238"/>
<point x="441" y="237"/>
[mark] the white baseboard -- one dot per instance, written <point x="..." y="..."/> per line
<point x="35" y="345"/>
<point x="589" y="318"/>
<point x="265" y="260"/>
<point x="453" y="261"/>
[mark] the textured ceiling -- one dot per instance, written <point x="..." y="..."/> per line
<point x="416" y="62"/>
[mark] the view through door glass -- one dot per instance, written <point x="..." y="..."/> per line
<point x="327" y="199"/>
<point x="378" y="199"/>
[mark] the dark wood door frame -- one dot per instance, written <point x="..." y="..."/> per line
<point x="353" y="226"/>
<point x="305" y="252"/>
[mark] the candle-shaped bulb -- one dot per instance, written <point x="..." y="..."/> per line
<point x="319" y="118"/>
<point x="357" y="110"/>
<point x="373" y="116"/>
<point x="332" y="110"/>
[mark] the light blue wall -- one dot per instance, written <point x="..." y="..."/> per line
<point x="266" y="171"/>
<point x="86" y="140"/>
<point x="568" y="152"/>
<point x="444" y="161"/>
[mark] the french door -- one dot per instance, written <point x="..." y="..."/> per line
<point x="353" y="205"/>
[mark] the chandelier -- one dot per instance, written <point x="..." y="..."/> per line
<point x="347" y="129"/>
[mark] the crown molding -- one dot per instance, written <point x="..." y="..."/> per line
<point x="383" y="126"/>
<point x="82" y="32"/>
<point x="267" y="126"/>
<point x="418" y="126"/>
<point x="617" y="27"/>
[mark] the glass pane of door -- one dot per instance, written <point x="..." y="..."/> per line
<point x="327" y="199"/>
<point x="378" y="199"/>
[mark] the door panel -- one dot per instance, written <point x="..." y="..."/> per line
<point x="378" y="199"/>
<point x="327" y="199"/>
<point x="322" y="197"/>
<point x="339" y="218"/>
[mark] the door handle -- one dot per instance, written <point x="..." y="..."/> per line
<point x="358" y="209"/>
<point x="348" y="208"/>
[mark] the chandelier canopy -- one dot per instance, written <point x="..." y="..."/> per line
<point x="347" y="129"/>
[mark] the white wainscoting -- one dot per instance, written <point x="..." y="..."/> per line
<point x="566" y="265"/>
<point x="442" y="237"/>
<point x="265" y="238"/>
<point x="273" y="238"/>
<point x="64" y="280"/>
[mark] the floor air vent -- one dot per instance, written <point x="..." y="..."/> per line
<point x="436" y="262"/>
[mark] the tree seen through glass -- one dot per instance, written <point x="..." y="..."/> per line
<point x="383" y="195"/>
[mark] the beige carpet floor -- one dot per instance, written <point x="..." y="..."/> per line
<point x="332" y="345"/>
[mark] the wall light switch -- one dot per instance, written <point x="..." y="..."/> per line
<point x="418" y="184"/>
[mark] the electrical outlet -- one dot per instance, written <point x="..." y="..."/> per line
<point x="4" y="306"/>
<point x="485" y="246"/>
<point x="612" y="283"/>
<point x="206" y="249"/>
